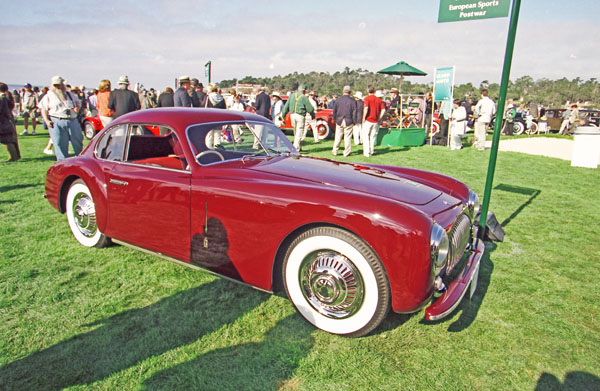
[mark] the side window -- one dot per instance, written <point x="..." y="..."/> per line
<point x="155" y="146"/>
<point x="112" y="144"/>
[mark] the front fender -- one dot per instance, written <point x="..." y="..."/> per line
<point x="63" y="173"/>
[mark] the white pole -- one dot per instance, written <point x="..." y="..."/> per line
<point x="432" y="109"/>
<point x="452" y="103"/>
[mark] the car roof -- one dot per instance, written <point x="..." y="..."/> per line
<point x="182" y="117"/>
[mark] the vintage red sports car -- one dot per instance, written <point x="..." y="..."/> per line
<point x="227" y="192"/>
<point x="323" y="122"/>
<point x="91" y="126"/>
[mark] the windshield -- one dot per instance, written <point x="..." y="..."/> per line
<point x="236" y="140"/>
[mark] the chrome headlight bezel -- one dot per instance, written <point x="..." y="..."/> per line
<point x="439" y="248"/>
<point x="473" y="204"/>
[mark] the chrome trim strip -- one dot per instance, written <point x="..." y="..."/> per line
<point x="118" y="182"/>
<point x="183" y="263"/>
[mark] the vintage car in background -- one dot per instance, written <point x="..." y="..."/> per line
<point x="91" y="126"/>
<point x="323" y="121"/>
<point x="554" y="117"/>
<point x="345" y="241"/>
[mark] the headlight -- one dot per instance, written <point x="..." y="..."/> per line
<point x="439" y="246"/>
<point x="473" y="203"/>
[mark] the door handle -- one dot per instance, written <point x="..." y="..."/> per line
<point x="118" y="182"/>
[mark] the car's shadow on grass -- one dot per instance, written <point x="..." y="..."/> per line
<point x="128" y="338"/>
<point x="574" y="381"/>
<point x="259" y="365"/>
<point x="5" y="189"/>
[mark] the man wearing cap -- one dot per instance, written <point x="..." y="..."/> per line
<point x="193" y="92"/>
<point x="298" y="105"/>
<point x="373" y="113"/>
<point x="357" y="129"/>
<point x="309" y="121"/>
<point x="59" y="110"/>
<point x="277" y="108"/>
<point x="122" y="100"/>
<point x="344" y="114"/>
<point x="182" y="98"/>
<point x="29" y="104"/>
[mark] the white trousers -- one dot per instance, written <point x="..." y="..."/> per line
<point x="369" y="134"/>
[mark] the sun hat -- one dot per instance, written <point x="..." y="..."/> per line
<point x="358" y="95"/>
<point x="276" y="93"/>
<point x="394" y="90"/>
<point x="379" y="94"/>
<point x="123" y="80"/>
<point x="184" y="79"/>
<point x="57" y="80"/>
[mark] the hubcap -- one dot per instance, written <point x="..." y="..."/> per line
<point x="331" y="284"/>
<point x="84" y="214"/>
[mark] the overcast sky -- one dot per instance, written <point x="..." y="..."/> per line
<point x="155" y="41"/>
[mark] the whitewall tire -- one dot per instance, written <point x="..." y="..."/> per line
<point x="81" y="215"/>
<point x="336" y="282"/>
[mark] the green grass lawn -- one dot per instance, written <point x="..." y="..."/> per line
<point x="115" y="319"/>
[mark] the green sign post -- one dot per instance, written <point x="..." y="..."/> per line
<point x="462" y="10"/>
<point x="454" y="10"/>
<point x="510" y="44"/>
<point x="208" y="70"/>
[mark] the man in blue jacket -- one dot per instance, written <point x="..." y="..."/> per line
<point x="344" y="114"/>
<point x="182" y="98"/>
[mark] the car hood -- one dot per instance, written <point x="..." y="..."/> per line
<point x="351" y="176"/>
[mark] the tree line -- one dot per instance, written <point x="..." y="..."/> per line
<point x="551" y="93"/>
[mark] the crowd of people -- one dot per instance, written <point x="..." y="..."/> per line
<point x="62" y="108"/>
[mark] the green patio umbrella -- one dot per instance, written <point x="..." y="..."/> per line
<point x="402" y="69"/>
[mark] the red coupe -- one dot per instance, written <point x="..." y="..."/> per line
<point x="227" y="192"/>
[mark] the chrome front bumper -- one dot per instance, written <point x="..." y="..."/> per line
<point x="456" y="290"/>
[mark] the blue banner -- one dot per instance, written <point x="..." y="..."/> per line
<point x="443" y="84"/>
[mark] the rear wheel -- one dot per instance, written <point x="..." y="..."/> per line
<point x="533" y="129"/>
<point x="81" y="215"/>
<point x="435" y="128"/>
<point x="323" y="129"/>
<point x="336" y="282"/>
<point x="88" y="130"/>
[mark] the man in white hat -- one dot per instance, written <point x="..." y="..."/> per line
<point x="59" y="109"/>
<point x="182" y="98"/>
<point x="122" y="100"/>
<point x="276" y="108"/>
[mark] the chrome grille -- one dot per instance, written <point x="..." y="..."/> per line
<point x="460" y="236"/>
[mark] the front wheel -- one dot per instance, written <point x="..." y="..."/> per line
<point x="518" y="128"/>
<point x="88" y="130"/>
<point x="81" y="215"/>
<point x="336" y="282"/>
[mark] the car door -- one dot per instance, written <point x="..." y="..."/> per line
<point x="149" y="194"/>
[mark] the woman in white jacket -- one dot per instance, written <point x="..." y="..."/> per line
<point x="458" y="125"/>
